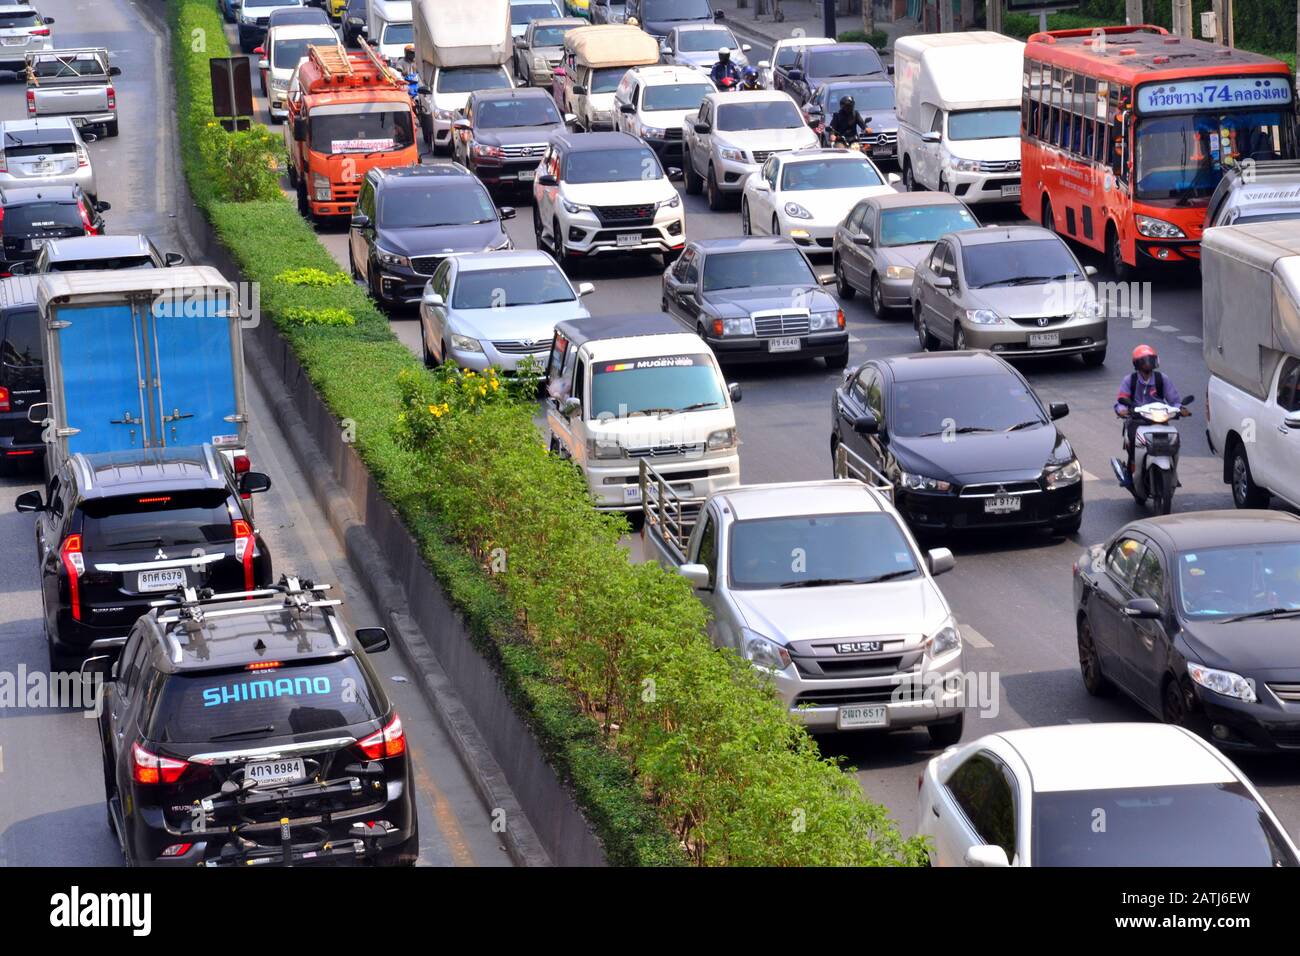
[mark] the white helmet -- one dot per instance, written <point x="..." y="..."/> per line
<point x="724" y="52"/>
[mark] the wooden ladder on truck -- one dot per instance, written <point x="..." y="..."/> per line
<point x="333" y="63"/>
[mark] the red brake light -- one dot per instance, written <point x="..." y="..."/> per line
<point x="40" y="32"/>
<point x="262" y="665"/>
<point x="4" y="399"/>
<point x="152" y="769"/>
<point x="31" y="101"/>
<point x="244" y="547"/>
<point x="112" y="98"/>
<point x="85" y="218"/>
<point x="388" y="742"/>
<point x="75" y="565"/>
<point x="83" y="159"/>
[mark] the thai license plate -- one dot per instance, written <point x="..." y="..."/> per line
<point x="882" y="151"/>
<point x="783" y="345"/>
<point x="1011" y="192"/>
<point x="275" y="773"/>
<point x="1002" y="505"/>
<point x="863" y="715"/>
<point x="44" y="167"/>
<point x="166" y="579"/>
<point x="526" y="175"/>
<point x="629" y="239"/>
<point x="14" y="41"/>
<point x="1044" y="340"/>
<point x="631" y="494"/>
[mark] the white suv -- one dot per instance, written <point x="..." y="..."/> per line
<point x="652" y="102"/>
<point x="602" y="193"/>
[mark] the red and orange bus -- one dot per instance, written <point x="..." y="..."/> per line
<point x="1125" y="132"/>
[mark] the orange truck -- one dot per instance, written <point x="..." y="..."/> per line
<point x="347" y="114"/>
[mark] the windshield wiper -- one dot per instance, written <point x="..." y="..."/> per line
<point x="699" y="405"/>
<point x="890" y="576"/>
<point x="1028" y="424"/>
<point x="654" y="411"/>
<point x="1272" y="612"/>
<point x="246" y="732"/>
<point x="821" y="582"/>
<point x="964" y="430"/>
<point x="152" y="542"/>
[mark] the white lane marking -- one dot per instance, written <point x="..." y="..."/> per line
<point x="974" y="638"/>
<point x="1078" y="720"/>
<point x="1089" y="476"/>
<point x="1190" y="339"/>
<point x="1166" y="328"/>
<point x="2" y="760"/>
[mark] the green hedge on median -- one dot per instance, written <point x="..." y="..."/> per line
<point x="675" y="751"/>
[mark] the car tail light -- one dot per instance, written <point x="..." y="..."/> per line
<point x="388" y="742"/>
<point x="31" y="102"/>
<point x="39" y="32"/>
<point x="83" y="158"/>
<point x="262" y="666"/>
<point x="75" y="565"/>
<point x="85" y="219"/>
<point x="112" y="98"/>
<point x="244" y="547"/>
<point x="150" y="768"/>
<point x="176" y="849"/>
<point x="4" y="399"/>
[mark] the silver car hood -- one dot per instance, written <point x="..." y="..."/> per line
<point x="536" y="322"/>
<point x="858" y="610"/>
<point x="1028" y="301"/>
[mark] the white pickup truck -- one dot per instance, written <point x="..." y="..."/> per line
<point x="1250" y="291"/>
<point x="820" y="585"/>
<point x="76" y="83"/>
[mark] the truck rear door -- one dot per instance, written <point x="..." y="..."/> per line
<point x="98" y="361"/>
<point x="69" y="85"/>
<point x="194" y="387"/>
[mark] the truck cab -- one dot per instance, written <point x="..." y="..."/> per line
<point x="594" y="62"/>
<point x="630" y="387"/>
<point x="1267" y="190"/>
<point x="347" y="114"/>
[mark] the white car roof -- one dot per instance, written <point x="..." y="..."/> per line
<point x="647" y="346"/>
<point x="751" y="96"/>
<point x="299" y="31"/>
<point x="1116" y="755"/>
<point x="801" y="41"/>
<point x="831" y="496"/>
<point x="663" y="75"/>
<point x="503" y="259"/>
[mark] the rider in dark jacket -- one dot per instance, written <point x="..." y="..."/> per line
<point x="845" y="123"/>
<point x="724" y="68"/>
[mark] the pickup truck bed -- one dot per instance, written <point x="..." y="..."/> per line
<point x="76" y="83"/>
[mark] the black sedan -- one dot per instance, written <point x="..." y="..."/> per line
<point x="504" y="133"/>
<point x="1195" y="617"/>
<point x="756" y="299"/>
<point x="964" y="441"/>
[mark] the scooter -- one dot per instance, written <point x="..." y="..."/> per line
<point x="1155" y="461"/>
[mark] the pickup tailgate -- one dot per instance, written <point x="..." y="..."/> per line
<point x="668" y="518"/>
<point x="74" y="99"/>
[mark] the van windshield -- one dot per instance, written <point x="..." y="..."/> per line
<point x="984" y="124"/>
<point x="659" y="385"/>
<point x="395" y="33"/>
<point x="674" y="96"/>
<point x="336" y="133"/>
<point x="606" y="79"/>
<point x="286" y="53"/>
<point x="467" y="79"/>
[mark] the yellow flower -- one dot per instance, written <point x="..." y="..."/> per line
<point x="495" y="385"/>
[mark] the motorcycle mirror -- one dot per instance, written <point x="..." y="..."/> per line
<point x="1188" y="400"/>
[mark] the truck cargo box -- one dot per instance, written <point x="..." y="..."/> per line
<point x="956" y="71"/>
<point x="457" y="33"/>
<point x="612" y="44"/>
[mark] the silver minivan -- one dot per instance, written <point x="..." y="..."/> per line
<point x="46" y="150"/>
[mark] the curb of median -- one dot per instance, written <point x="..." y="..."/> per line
<point x="381" y="579"/>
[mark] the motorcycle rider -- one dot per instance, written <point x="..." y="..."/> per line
<point x="409" y="73"/>
<point x="750" y="80"/>
<point x="1144" y="384"/>
<point x="725" y="69"/>
<point x="845" y="123"/>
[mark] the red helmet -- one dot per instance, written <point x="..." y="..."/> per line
<point x="1145" y="358"/>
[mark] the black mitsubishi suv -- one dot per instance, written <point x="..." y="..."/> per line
<point x="118" y="530"/>
<point x="243" y="730"/>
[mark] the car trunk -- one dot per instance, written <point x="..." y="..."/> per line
<point x="89" y="95"/>
<point x="26" y="228"/>
<point x="40" y="160"/>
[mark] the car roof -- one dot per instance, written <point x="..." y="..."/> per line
<point x="97" y="247"/>
<point x="986" y="235"/>
<point x="518" y="92"/>
<point x="18" y="292"/>
<point x="798" y="498"/>
<point x="557" y="21"/>
<point x="1193" y="530"/>
<point x="911" y="200"/>
<point x="47" y="129"/>
<point x="804" y="41"/>
<point x="744" y="244"/>
<point x="297" y="15"/>
<point x="421" y="174"/>
<point x="581" y="331"/>
<point x="872" y="80"/>
<point x="700" y="27"/>
<point x="135" y="470"/>
<point x="820" y="152"/>
<point x="749" y="96"/>
<point x="502" y="259"/>
<point x="1110" y="756"/>
<point x="299" y="29"/>
<point x="52" y="192"/>
<point x="591" y="142"/>
<point x="921" y="366"/>
<point x="668" y="73"/>
<point x="221" y="642"/>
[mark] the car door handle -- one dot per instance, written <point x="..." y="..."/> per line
<point x="1282" y="429"/>
<point x="934" y="809"/>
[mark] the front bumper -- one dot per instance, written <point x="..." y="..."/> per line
<point x="668" y="150"/>
<point x="586" y="235"/>
<point x="616" y="486"/>
<point x="955" y="512"/>
<point x="939" y="695"/>
<point x="1268" y="725"/>
<point x="399" y="286"/>
<point x="984" y="187"/>
<point x="509" y="172"/>
<point x="1166" y="251"/>
<point x="808" y="233"/>
<point x="732" y="174"/>
<point x="752" y="349"/>
<point x="896" y="293"/>
<point x="491" y="356"/>
<point x="1011" y="339"/>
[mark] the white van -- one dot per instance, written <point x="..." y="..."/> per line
<point x="389" y="28"/>
<point x="958" y="97"/>
<point x="622" y="388"/>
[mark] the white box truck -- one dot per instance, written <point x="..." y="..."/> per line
<point x="459" y="48"/>
<point x="388" y="27"/>
<point x="958" y="105"/>
<point x="1250" y="295"/>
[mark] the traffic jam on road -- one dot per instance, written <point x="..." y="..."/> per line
<point x="1013" y="272"/>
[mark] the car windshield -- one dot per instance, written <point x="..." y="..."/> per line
<point x="698" y="41"/>
<point x="523" y="13"/>
<point x="675" y="96"/>
<point x="1203" y="824"/>
<point x="21" y="345"/>
<point x="763" y="114"/>
<point x="285" y="54"/>
<point x="377" y="132"/>
<point x="1184" y="157"/>
<point x="676" y="10"/>
<point x="983" y="124"/>
<point x="61" y="217"/>
<point x="272" y="3"/>
<point x="157" y="520"/>
<point x="606" y="79"/>
<point x="866" y="98"/>
<point x="829" y="174"/>
<point x="99" y="265"/>
<point x="1240" y="579"/>
<point x="465" y="203"/>
<point x="1004" y="263"/>
<point x="516" y="111"/>
<point x="395" y="33"/>
<point x="923" y="224"/>
<point x="655" y="385"/>
<point x="960" y="404"/>
<point x="765" y="267"/>
<point x="819" y="551"/>
<point x="550" y="36"/>
<point x="612" y="166"/>
<point x="238" y="707"/>
<point x="467" y="79"/>
<point x="850" y="61"/>
<point x="503" y="288"/>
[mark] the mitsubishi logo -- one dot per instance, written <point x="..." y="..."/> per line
<point x="161" y="555"/>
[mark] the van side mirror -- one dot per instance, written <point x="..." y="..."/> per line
<point x="987" y="855"/>
<point x="102" y="206"/>
<point x="733" y="390"/>
<point x="866" y="425"/>
<point x="579" y="90"/>
<point x="300" y="129"/>
<point x="627" y="108"/>
<point x="174" y="259"/>
<point x="29" y="502"/>
<point x="933" y="136"/>
<point x="372" y="639"/>
<point x="546" y="179"/>
<point x="697" y="575"/>
<point x="703" y="128"/>
<point x="114" y="71"/>
<point x="1058" y="410"/>
<point x="570" y="406"/>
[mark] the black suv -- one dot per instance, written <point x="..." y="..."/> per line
<point x="408" y="219"/>
<point x="22" y="372"/>
<point x="118" y="530"/>
<point x="245" y="731"/>
<point x="504" y="134"/>
<point x="30" y="216"/>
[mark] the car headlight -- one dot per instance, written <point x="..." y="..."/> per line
<point x="723" y="438"/>
<point x="320" y="187"/>
<point x="573" y="208"/>
<point x="964" y="165"/>
<point x="541" y="64"/>
<point x="481" y="151"/>
<point x="603" y="448"/>
<point x="825" y="321"/>
<point x="921" y="483"/>
<point x="653" y="132"/>
<point x="387" y="258"/>
<point x="944" y="640"/>
<point x="762" y="652"/>
<point x="738" y="326"/>
<point x="445" y="115"/>
<point x="899" y="272"/>
<point x="982" y="317"/>
<point x="463" y="343"/>
<point x="1062" y="476"/>
<point x="502" y="243"/>
<point x="1090" y="309"/>
<point x="796" y="211"/>
<point x="670" y="203"/>
<point x="733" y="155"/>
<point x="1158" y="228"/>
<point x="1225" y="683"/>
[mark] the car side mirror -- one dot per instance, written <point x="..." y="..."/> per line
<point x="942" y="282"/>
<point x="299" y="129"/>
<point x="359" y="221"/>
<point x="795" y="74"/>
<point x="866" y="425"/>
<point x="719" y="15"/>
<point x="987" y="855"/>
<point x="37" y="412"/>
<point x="1292" y="420"/>
<point x="101" y="664"/>
<point x="89" y="137"/>
<point x="674" y="174"/>
<point x="174" y="259"/>
<point x="570" y="406"/>
<point x="862" y="239"/>
<point x="372" y="639"/>
<point x="827" y="279"/>
<point x="733" y="390"/>
<point x="745" y="48"/>
<point x="29" y="502"/>
<point x="585" y="288"/>
<point x="569" y="118"/>
<point x="432" y="300"/>
<point x="546" y="179"/>
<point x="507" y="212"/>
<point x="940" y="561"/>
<point x="931" y="137"/>
<point x="665" y="49"/>
<point x="627" y="108"/>
<point x="102" y="206"/>
<point x="521" y="41"/>
<point x="697" y="575"/>
<point x="890" y="69"/>
<point x="1142" y="609"/>
<point x="893" y="179"/>
<point x="356" y="23"/>
<point x="463" y="125"/>
<point x="48" y="21"/>
<point x="254" y="482"/>
<point x="703" y="128"/>
<point x="1058" y="410"/>
<point x="1090" y="270"/>
<point x="114" y="71"/>
<point x="422" y="90"/>
<point x="761" y="184"/>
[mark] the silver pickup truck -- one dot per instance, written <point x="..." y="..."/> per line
<point x="820" y="585"/>
<point x="76" y="83"/>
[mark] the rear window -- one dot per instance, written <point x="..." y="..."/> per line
<point x="75" y="66"/>
<point x="21" y="345"/>
<point x="116" y="262"/>
<point x="239" y="708"/>
<point x="16" y="148"/>
<point x="18" y="18"/>
<point x="40" y="216"/>
<point x="161" y="520"/>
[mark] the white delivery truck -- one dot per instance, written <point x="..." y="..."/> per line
<point x="958" y="105"/>
<point x="1250" y="299"/>
<point x="459" y="48"/>
<point x="388" y="27"/>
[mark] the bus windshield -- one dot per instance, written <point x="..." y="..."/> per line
<point x="1183" y="157"/>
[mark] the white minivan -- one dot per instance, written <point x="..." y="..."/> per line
<point x="958" y="106"/>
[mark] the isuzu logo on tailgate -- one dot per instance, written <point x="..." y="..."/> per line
<point x="857" y="647"/>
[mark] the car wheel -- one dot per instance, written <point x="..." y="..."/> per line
<point x="694" y="185"/>
<point x="1048" y="220"/>
<point x="304" y="208"/>
<point x="292" y="173"/>
<point x="877" y="297"/>
<point x="928" y="342"/>
<point x="1094" y="681"/>
<point x="352" y="265"/>
<point x="110" y="128"/>
<point x="943" y="184"/>
<point x="716" y="199"/>
<point x="567" y="262"/>
<point x="842" y="286"/>
<point x="1095" y="358"/>
<point x="426" y="128"/>
<point x="947" y="733"/>
<point x="1175" y="708"/>
<point x="430" y="360"/>
<point x="1115" y="256"/>
<point x="1245" y="493"/>
<point x="746" y="229"/>
<point x="959" y="339"/>
<point x="909" y="179"/>
<point x="839" y="360"/>
<point x="776" y="226"/>
<point x="537" y="226"/>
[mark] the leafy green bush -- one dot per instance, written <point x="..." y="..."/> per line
<point x="877" y="38"/>
<point x="316" y="278"/>
<point x="245" y="164"/>
<point x="298" y="316"/>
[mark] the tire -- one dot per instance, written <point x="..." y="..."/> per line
<point x="1094" y="359"/>
<point x="1174" y="706"/>
<point x="1115" y="256"/>
<point x="842" y="287"/>
<point x="1046" y="218"/>
<point x="717" y="201"/>
<point x="1245" y="493"/>
<point x="110" y="129"/>
<point x="537" y="228"/>
<point x="292" y="173"/>
<point x="567" y="262"/>
<point x="426" y="127"/>
<point x="352" y="265"/>
<point x="304" y="208"/>
<point x="959" y="339"/>
<point x="694" y="184"/>
<point x="947" y="733"/>
<point x="1095" y="682"/>
<point x="923" y="335"/>
<point x="746" y="229"/>
<point x="909" y="179"/>
<point x="776" y="226"/>
<point x="430" y="360"/>
<point x="1161" y="490"/>
<point x="838" y="361"/>
<point x="877" y="298"/>
<point x="244" y="46"/>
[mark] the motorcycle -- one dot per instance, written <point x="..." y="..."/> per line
<point x="1155" y="461"/>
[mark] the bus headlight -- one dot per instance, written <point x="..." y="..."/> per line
<point x="1157" y="228"/>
